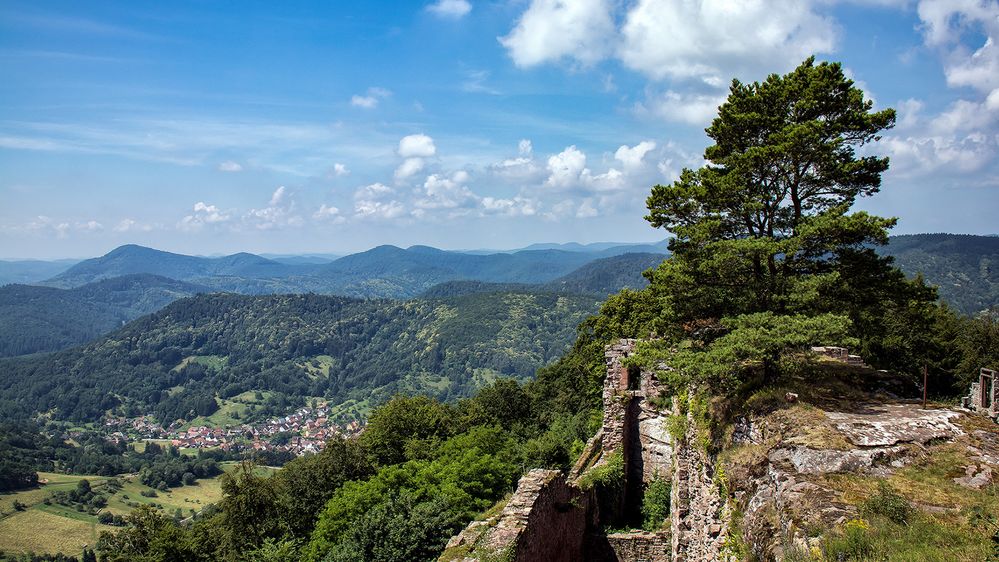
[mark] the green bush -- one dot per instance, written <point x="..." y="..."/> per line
<point x="656" y="503"/>
<point x="676" y="426"/>
<point x="888" y="503"/>
<point x="853" y="544"/>
<point x="607" y="476"/>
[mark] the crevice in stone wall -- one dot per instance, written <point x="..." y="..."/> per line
<point x="634" y="465"/>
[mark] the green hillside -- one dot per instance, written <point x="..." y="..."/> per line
<point x="609" y="275"/>
<point x="445" y="348"/>
<point x="964" y="267"/>
<point x="38" y="319"/>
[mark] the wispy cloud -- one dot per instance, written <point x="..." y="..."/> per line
<point x="371" y="99"/>
<point x="454" y="9"/>
<point x="475" y="82"/>
<point x="77" y="25"/>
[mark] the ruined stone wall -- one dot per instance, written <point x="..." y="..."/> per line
<point x="549" y="518"/>
<point x="615" y="395"/>
<point x="977" y="400"/>
<point x="636" y="546"/>
<point x="698" y="512"/>
<point x="557" y="526"/>
<point x="974" y="400"/>
<point x="544" y="520"/>
<point x="634" y="426"/>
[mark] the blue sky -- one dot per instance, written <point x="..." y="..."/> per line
<point x="286" y="127"/>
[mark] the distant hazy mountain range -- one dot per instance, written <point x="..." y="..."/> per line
<point x="385" y="271"/>
<point x="31" y="271"/>
<point x="97" y="295"/>
<point x="73" y="302"/>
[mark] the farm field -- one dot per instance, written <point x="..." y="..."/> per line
<point x="54" y="528"/>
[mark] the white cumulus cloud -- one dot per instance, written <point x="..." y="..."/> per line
<point x="712" y="40"/>
<point x="378" y="209"/>
<point x="329" y="213"/>
<point x="279" y="212"/>
<point x="414" y="148"/>
<point x="204" y="214"/>
<point x="131" y="225"/>
<point x="631" y="156"/>
<point x="442" y="192"/>
<point x="373" y="191"/>
<point x="417" y="146"/>
<point x="551" y="30"/>
<point x="409" y="167"/>
<point x="565" y="167"/>
<point x="683" y="107"/>
<point x="230" y="166"/>
<point x="512" y="207"/>
<point x="567" y="170"/>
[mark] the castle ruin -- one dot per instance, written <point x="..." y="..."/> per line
<point x="984" y="395"/>
<point x="556" y="517"/>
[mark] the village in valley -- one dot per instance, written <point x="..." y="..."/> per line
<point x="304" y="431"/>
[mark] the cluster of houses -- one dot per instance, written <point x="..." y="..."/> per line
<point x="304" y="431"/>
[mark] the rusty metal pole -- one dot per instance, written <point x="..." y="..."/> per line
<point x="925" y="377"/>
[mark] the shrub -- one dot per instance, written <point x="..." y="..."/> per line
<point x="656" y="503"/>
<point x="676" y="426"/>
<point x="608" y="476"/>
<point x="853" y="544"/>
<point x="888" y="503"/>
<point x="766" y="400"/>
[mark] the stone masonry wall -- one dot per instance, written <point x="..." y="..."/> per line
<point x="557" y="526"/>
<point x="974" y="400"/>
<point x="544" y="520"/>
<point x="634" y="426"/>
<point x="698" y="510"/>
<point x="636" y="546"/>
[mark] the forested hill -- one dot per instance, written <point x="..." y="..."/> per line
<point x="965" y="267"/>
<point x="132" y="259"/>
<point x="42" y="319"/>
<point x="176" y="361"/>
<point x="609" y="275"/>
<point x="600" y="278"/>
<point x="36" y="319"/>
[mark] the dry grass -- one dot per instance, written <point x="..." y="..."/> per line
<point x="944" y="527"/>
<point x="39" y="531"/>
<point x="184" y="498"/>
<point x="808" y="426"/>
<point x="56" y="483"/>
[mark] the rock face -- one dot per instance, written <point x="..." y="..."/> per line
<point x="882" y="425"/>
<point x="793" y="495"/>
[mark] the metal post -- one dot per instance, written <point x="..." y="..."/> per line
<point x="924" y="385"/>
